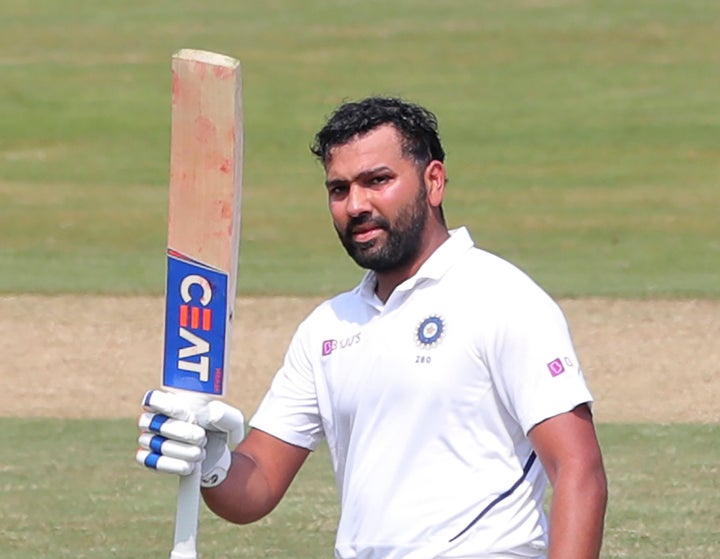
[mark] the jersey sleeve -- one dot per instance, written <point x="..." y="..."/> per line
<point x="533" y="361"/>
<point x="289" y="410"/>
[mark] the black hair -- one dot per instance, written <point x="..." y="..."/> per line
<point x="417" y="126"/>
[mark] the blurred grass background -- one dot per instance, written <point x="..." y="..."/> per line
<point x="582" y="136"/>
<point x="582" y="140"/>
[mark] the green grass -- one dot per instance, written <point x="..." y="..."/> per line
<point x="664" y="484"/>
<point x="582" y="140"/>
<point x="70" y="488"/>
<point x="581" y="135"/>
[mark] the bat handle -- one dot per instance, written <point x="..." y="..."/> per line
<point x="186" y="517"/>
<point x="188" y="499"/>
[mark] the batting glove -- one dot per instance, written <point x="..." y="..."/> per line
<point x="178" y="435"/>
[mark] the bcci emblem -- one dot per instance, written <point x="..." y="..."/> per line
<point x="430" y="332"/>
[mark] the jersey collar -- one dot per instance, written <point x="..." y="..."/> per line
<point x="433" y="268"/>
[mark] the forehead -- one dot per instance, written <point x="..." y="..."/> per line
<point x="381" y="146"/>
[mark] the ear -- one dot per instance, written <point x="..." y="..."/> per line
<point x="435" y="179"/>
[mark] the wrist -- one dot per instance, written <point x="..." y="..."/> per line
<point x="216" y="474"/>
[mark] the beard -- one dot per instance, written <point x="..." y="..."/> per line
<point x="402" y="237"/>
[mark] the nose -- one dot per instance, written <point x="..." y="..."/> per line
<point x="357" y="201"/>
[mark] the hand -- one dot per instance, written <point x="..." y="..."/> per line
<point x="180" y="434"/>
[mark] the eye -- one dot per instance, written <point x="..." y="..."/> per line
<point x="337" y="191"/>
<point x="380" y="179"/>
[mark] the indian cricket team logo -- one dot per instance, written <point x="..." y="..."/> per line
<point x="430" y="332"/>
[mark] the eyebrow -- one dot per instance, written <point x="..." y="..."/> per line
<point x="362" y="175"/>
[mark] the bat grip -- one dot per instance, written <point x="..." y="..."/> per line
<point x="186" y="517"/>
<point x="188" y="499"/>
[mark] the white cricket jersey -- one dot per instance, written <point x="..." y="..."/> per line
<point x="426" y="402"/>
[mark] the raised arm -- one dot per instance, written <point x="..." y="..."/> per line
<point x="262" y="469"/>
<point x="568" y="449"/>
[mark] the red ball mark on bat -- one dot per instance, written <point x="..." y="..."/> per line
<point x="226" y="166"/>
<point x="226" y="210"/>
<point x="204" y="129"/>
<point x="175" y="88"/>
<point x="223" y="72"/>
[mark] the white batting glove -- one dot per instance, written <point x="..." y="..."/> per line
<point x="176" y="437"/>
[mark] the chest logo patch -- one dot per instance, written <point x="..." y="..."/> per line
<point x="430" y="332"/>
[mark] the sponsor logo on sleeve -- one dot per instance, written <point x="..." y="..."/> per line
<point x="556" y="367"/>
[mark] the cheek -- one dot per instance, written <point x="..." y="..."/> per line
<point x="337" y="213"/>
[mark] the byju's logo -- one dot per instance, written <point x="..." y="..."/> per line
<point x="328" y="346"/>
<point x="556" y="367"/>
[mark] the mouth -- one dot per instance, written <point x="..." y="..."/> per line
<point x="365" y="233"/>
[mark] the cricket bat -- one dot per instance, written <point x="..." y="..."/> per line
<point x="206" y="157"/>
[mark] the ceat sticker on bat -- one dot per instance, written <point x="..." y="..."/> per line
<point x="196" y="316"/>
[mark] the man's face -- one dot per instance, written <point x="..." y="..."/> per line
<point x="378" y="200"/>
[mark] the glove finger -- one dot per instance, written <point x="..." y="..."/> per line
<point x="166" y="403"/>
<point x="172" y="428"/>
<point x="173" y="449"/>
<point x="164" y="464"/>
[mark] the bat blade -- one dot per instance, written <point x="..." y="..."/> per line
<point x="206" y="158"/>
<point x="203" y="220"/>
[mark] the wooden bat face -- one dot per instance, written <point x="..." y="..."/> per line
<point x="203" y="220"/>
